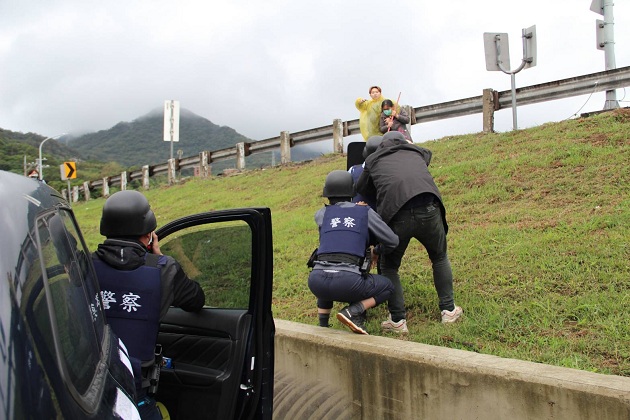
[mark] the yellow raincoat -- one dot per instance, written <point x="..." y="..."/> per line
<point x="369" y="116"/>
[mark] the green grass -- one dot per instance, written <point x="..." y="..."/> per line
<point x="539" y="240"/>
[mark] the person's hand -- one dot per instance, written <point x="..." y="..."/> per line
<point x="390" y="122"/>
<point x="362" y="203"/>
<point x="394" y="113"/>
<point x="374" y="261"/>
<point x="363" y="100"/>
<point x="155" y="245"/>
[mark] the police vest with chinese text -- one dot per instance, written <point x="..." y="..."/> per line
<point x="344" y="230"/>
<point x="131" y="302"/>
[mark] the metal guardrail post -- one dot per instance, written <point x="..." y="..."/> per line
<point x="204" y="168"/>
<point x="240" y="156"/>
<point x="409" y="111"/>
<point x="86" y="190"/>
<point x="106" y="186"/>
<point x="145" y="177"/>
<point x="488" y="110"/>
<point x="337" y="136"/>
<point x="123" y="181"/>
<point x="285" y="147"/>
<point x="171" y="171"/>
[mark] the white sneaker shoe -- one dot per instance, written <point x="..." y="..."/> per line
<point x="399" y="327"/>
<point x="452" y="316"/>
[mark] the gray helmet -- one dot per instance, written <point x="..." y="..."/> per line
<point x="127" y="213"/>
<point x="339" y="184"/>
<point x="371" y="145"/>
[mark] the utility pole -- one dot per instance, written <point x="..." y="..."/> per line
<point x="605" y="36"/>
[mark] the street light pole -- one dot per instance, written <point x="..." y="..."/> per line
<point x="40" y="167"/>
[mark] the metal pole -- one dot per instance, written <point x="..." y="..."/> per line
<point x="39" y="161"/>
<point x="40" y="170"/>
<point x="514" y="124"/>
<point x="69" y="194"/>
<point x="512" y="74"/>
<point x="609" y="50"/>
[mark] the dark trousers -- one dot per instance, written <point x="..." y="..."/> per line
<point x="425" y="224"/>
<point x="332" y="285"/>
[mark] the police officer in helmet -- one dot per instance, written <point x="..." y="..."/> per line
<point x="340" y="264"/>
<point x="138" y="284"/>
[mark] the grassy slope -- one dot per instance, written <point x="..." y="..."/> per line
<point x="539" y="240"/>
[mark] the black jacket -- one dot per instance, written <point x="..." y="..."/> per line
<point x="397" y="172"/>
<point x="176" y="288"/>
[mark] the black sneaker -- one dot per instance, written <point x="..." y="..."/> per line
<point x="351" y="319"/>
<point x="360" y="320"/>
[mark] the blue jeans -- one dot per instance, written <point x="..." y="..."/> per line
<point x="343" y="286"/>
<point x="425" y="224"/>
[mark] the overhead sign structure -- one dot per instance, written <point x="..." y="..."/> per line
<point x="68" y="170"/>
<point x="497" y="50"/>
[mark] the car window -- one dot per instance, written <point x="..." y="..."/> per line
<point x="218" y="256"/>
<point x="84" y="270"/>
<point x="64" y="315"/>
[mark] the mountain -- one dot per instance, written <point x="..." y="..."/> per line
<point x="140" y="142"/>
<point x="14" y="146"/>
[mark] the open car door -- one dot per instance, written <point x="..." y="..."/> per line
<point x="222" y="357"/>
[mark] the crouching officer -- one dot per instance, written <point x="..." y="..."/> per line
<point x="138" y="285"/>
<point x="340" y="263"/>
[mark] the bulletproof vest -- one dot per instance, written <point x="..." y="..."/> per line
<point x="344" y="230"/>
<point x="131" y="302"/>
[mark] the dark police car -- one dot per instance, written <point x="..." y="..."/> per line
<point x="60" y="359"/>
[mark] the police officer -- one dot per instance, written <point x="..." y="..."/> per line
<point x="340" y="270"/>
<point x="138" y="284"/>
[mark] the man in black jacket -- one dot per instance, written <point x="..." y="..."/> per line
<point x="410" y="203"/>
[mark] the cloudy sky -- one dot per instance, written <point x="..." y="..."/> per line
<point x="266" y="66"/>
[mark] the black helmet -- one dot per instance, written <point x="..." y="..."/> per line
<point x="127" y="213"/>
<point x="371" y="145"/>
<point x="394" y="137"/>
<point x="339" y="184"/>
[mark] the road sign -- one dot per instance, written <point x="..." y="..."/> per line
<point x="171" y="120"/>
<point x="68" y="170"/>
<point x="497" y="49"/>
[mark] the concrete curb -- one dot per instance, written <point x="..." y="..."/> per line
<point x="381" y="377"/>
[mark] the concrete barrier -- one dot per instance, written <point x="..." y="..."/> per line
<point x="334" y="374"/>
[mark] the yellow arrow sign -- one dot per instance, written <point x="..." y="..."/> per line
<point x="71" y="169"/>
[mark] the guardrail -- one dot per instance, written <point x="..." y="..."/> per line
<point x="489" y="102"/>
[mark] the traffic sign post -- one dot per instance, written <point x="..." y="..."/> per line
<point x="497" y="52"/>
<point x="68" y="171"/>
<point x="171" y="122"/>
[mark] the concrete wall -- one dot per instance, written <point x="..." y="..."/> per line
<point x="334" y="374"/>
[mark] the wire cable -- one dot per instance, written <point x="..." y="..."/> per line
<point x="587" y="99"/>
